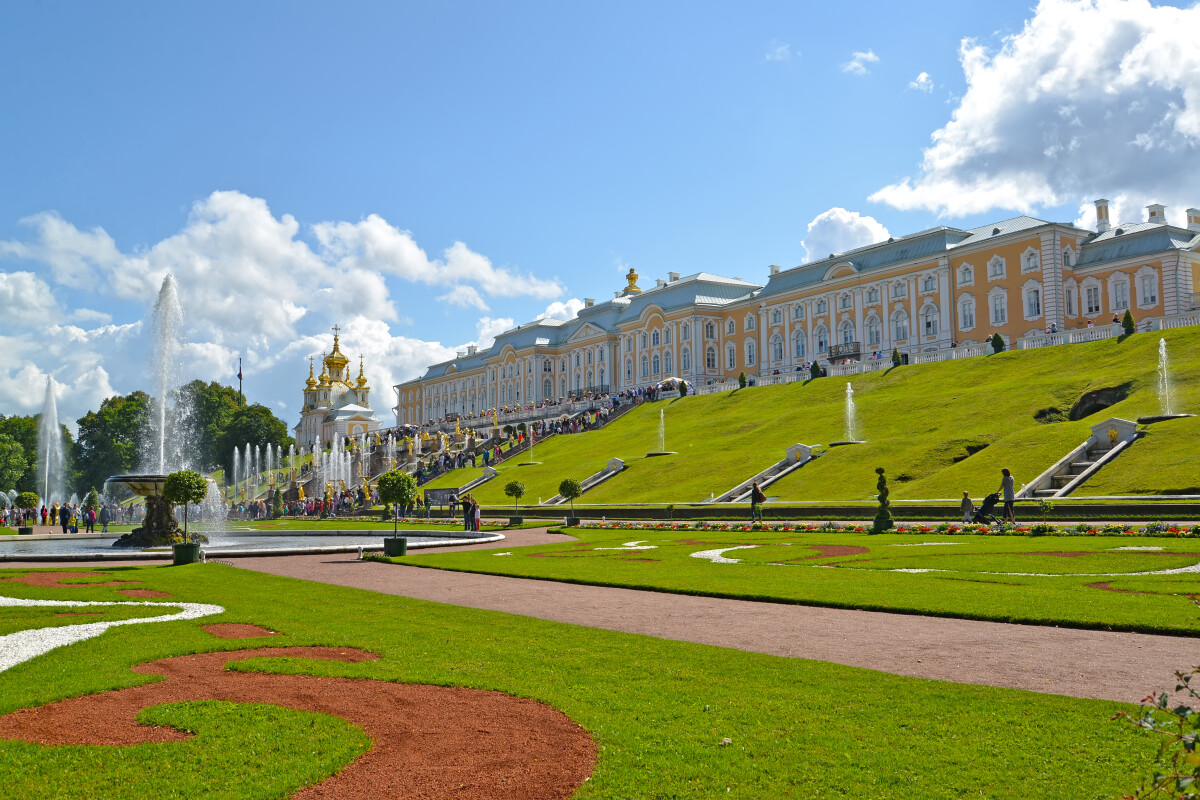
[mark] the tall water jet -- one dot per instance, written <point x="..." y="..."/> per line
<point x="851" y="415"/>
<point x="50" y="449"/>
<point x="1164" y="380"/>
<point x="662" y="430"/>
<point x="166" y="450"/>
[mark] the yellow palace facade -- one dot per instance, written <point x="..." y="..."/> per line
<point x="920" y="294"/>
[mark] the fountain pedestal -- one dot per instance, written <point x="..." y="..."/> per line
<point x="159" y="527"/>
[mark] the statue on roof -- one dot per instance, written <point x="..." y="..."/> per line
<point x="632" y="287"/>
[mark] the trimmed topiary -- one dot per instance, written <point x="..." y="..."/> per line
<point x="997" y="343"/>
<point x="896" y="359"/>
<point x="742" y="380"/>
<point x="1128" y="324"/>
<point x="883" y="516"/>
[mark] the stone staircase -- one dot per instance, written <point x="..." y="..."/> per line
<point x="1108" y="440"/>
<point x="795" y="457"/>
<point x="613" y="466"/>
<point x="1071" y="471"/>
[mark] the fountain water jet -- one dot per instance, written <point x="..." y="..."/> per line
<point x="662" y="436"/>
<point x="1164" y="379"/>
<point x="50" y="449"/>
<point x="850" y="430"/>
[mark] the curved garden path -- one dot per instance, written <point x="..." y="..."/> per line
<point x="1094" y="664"/>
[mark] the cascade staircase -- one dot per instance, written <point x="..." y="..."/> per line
<point x="1108" y="440"/>
<point x="613" y="466"/>
<point x="796" y="457"/>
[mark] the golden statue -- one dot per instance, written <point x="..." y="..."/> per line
<point x="300" y="489"/>
<point x="457" y="430"/>
<point x="632" y="288"/>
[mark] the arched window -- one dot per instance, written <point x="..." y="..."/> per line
<point x="995" y="268"/>
<point x="845" y="301"/>
<point x="577" y="359"/>
<point x="874" y="331"/>
<point x="686" y="332"/>
<point x="798" y="311"/>
<point x="966" y="275"/>
<point x="710" y="331"/>
<point x="1032" y="261"/>
<point x="645" y="341"/>
<point x="900" y="325"/>
<point x="731" y="327"/>
<point x="710" y="358"/>
<point x="589" y="357"/>
<point x="668" y="363"/>
<point x="929" y="320"/>
<point x="628" y="370"/>
<point x="645" y="367"/>
<point x="847" y="330"/>
<point x="730" y="357"/>
<point x="873" y="295"/>
<point x="777" y="348"/>
<point x="1068" y="257"/>
<point x="776" y="317"/>
<point x="751" y="354"/>
<point x="822" y="306"/>
<point x="666" y="336"/>
<point x="749" y="322"/>
<point x="800" y="342"/>
<point x="601" y="359"/>
<point x="929" y="284"/>
<point x="654" y="339"/>
<point x="822" y="340"/>
<point x="654" y="366"/>
<point x="685" y="360"/>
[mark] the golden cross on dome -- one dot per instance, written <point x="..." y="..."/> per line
<point x="335" y="330"/>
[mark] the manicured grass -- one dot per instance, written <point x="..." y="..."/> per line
<point x="658" y="709"/>
<point x="970" y="578"/>
<point x="454" y="524"/>
<point x="20" y="619"/>
<point x="939" y="429"/>
<point x="1163" y="460"/>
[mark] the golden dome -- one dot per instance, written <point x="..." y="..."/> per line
<point x="324" y="372"/>
<point x="311" y="383"/>
<point x="362" y="379"/>
<point x="335" y="362"/>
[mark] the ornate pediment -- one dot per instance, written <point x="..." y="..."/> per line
<point x="587" y="331"/>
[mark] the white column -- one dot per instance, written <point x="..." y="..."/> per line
<point x="763" y="363"/>
<point x="914" y="325"/>
<point x="946" y="301"/>
<point x="857" y="297"/>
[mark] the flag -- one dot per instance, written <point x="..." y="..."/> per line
<point x="239" y="373"/>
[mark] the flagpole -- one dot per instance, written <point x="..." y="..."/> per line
<point x="240" y="396"/>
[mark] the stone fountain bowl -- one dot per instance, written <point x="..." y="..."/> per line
<point x="145" y="485"/>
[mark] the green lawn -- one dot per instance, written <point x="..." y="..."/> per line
<point x="939" y="429"/>
<point x="967" y="576"/>
<point x="658" y="709"/>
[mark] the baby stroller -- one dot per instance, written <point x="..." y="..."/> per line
<point x="983" y="515"/>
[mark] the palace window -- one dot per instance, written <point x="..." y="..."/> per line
<point x="822" y="306"/>
<point x="668" y="363"/>
<point x="929" y="320"/>
<point x="645" y="367"/>
<point x="874" y="332"/>
<point x="800" y="343"/>
<point x="1032" y="262"/>
<point x="1149" y="290"/>
<point x="685" y="360"/>
<point x="777" y="348"/>
<point x="667" y="336"/>
<point x="845" y="301"/>
<point x="1120" y="296"/>
<point x="900" y="290"/>
<point x="822" y="340"/>
<point x="750" y="353"/>
<point x="589" y="358"/>
<point x="654" y="339"/>
<point x="710" y="358"/>
<point x="847" y="332"/>
<point x="1093" y="300"/>
<point x="966" y="314"/>
<point x="966" y="275"/>
<point x="710" y="331"/>
<point x="1033" y="303"/>
<point x="929" y="284"/>
<point x="776" y="317"/>
<point x="628" y="370"/>
<point x="749" y="322"/>
<point x="1068" y="257"/>
<point x="654" y="366"/>
<point x="999" y="309"/>
<point x="686" y="332"/>
<point x="798" y="311"/>
<point x="731" y="357"/>
<point x="731" y="327"/>
<point x="645" y="341"/>
<point x="1069" y="297"/>
<point x="995" y="268"/>
<point x="873" y="295"/>
<point x="900" y="325"/>
<point x="577" y="359"/>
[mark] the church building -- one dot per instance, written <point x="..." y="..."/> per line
<point x="334" y="403"/>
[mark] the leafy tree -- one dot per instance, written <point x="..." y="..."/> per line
<point x="185" y="486"/>
<point x="110" y="440"/>
<point x="24" y="431"/>
<point x="570" y="489"/>
<point x="13" y="463"/>
<point x="683" y="388"/>
<point x="92" y="500"/>
<point x="212" y="407"/>
<point x="814" y="370"/>
<point x="742" y="380"/>
<point x="397" y="487"/>
<point x="997" y="343"/>
<point x="1128" y="324"/>
<point x="277" y="504"/>
<point x="26" y="500"/>
<point x="254" y="425"/>
<point x="896" y="359"/>
<point x="515" y="490"/>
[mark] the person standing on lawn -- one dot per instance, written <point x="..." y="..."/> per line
<point x="966" y="507"/>
<point x="757" y="498"/>
<point x="1008" y="489"/>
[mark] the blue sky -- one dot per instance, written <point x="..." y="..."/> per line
<point x="426" y="174"/>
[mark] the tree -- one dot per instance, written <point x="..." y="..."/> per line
<point x="110" y="439"/>
<point x="210" y="408"/>
<point x="27" y="501"/>
<point x="254" y="425"/>
<point x="742" y="380"/>
<point x="814" y="371"/>
<point x="683" y="388"/>
<point x="897" y="360"/>
<point x="277" y="504"/>
<point x="997" y="343"/>
<point x="397" y="488"/>
<point x="883" y="516"/>
<point x="13" y="463"/>
<point x="570" y="489"/>
<point x="24" y="431"/>
<point x="185" y="486"/>
<point x="1128" y="324"/>
<point x="515" y="490"/>
<point x="92" y="500"/>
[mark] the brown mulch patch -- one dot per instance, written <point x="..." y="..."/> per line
<point x="143" y="593"/>
<point x="78" y="614"/>
<point x="427" y="741"/>
<point x="54" y="580"/>
<point x="830" y="551"/>
<point x="237" y="630"/>
<point x="1108" y="587"/>
<point x="653" y="560"/>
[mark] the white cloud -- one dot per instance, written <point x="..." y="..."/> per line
<point x="90" y="315"/>
<point x="838" y="230"/>
<point x="857" y="65"/>
<point x="26" y="298"/>
<point x="922" y="83"/>
<point x="563" y="311"/>
<point x="464" y="297"/>
<point x="487" y="329"/>
<point x="1092" y="98"/>
<point x="779" y="52"/>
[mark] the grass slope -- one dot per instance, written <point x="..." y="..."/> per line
<point x="965" y="582"/>
<point x="658" y="709"/>
<point x="939" y="429"/>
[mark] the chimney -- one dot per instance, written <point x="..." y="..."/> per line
<point x="1102" y="224"/>
<point x="1158" y="213"/>
<point x="674" y="276"/>
<point x="616" y="294"/>
<point x="472" y="349"/>
<point x="1193" y="215"/>
<point x="659" y="283"/>
<point x="775" y="269"/>
<point x="588" y="302"/>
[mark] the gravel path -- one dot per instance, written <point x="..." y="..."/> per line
<point x="1094" y="664"/>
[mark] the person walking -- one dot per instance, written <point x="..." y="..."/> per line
<point x="64" y="517"/>
<point x="89" y="520"/>
<point x="475" y="514"/>
<point x="756" y="500"/>
<point x="966" y="507"/>
<point x="468" y="510"/>
<point x="105" y="518"/>
<point x="1009" y="492"/>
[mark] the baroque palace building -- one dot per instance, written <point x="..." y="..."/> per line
<point x="334" y="403"/>
<point x="939" y="288"/>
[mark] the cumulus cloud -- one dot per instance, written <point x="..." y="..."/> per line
<point x="464" y="297"/>
<point x="487" y="329"/>
<point x="857" y="65"/>
<point x="1092" y="98"/>
<point x="779" y="52"/>
<point x="563" y="311"/>
<point x="838" y="230"/>
<point x="26" y="298"/>
<point x="922" y="83"/>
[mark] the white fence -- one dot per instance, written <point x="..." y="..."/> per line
<point x="1176" y="321"/>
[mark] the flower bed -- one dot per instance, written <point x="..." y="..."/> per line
<point x="1159" y="529"/>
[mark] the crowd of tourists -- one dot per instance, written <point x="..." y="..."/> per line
<point x="70" y="517"/>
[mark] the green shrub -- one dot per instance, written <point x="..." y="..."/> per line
<point x="515" y="490"/>
<point x="397" y="487"/>
<point x="683" y="388"/>
<point x="997" y="343"/>
<point x="883" y="516"/>
<point x="814" y="370"/>
<point x="28" y="500"/>
<point x="92" y="500"/>
<point x="742" y="380"/>
<point x="570" y="489"/>
<point x="1128" y="324"/>
<point x="896" y="359"/>
<point x="184" y="487"/>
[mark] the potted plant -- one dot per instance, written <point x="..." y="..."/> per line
<point x="185" y="486"/>
<point x="397" y="489"/>
<point x="570" y="489"/>
<point x="515" y="490"/>
<point x="29" y="502"/>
